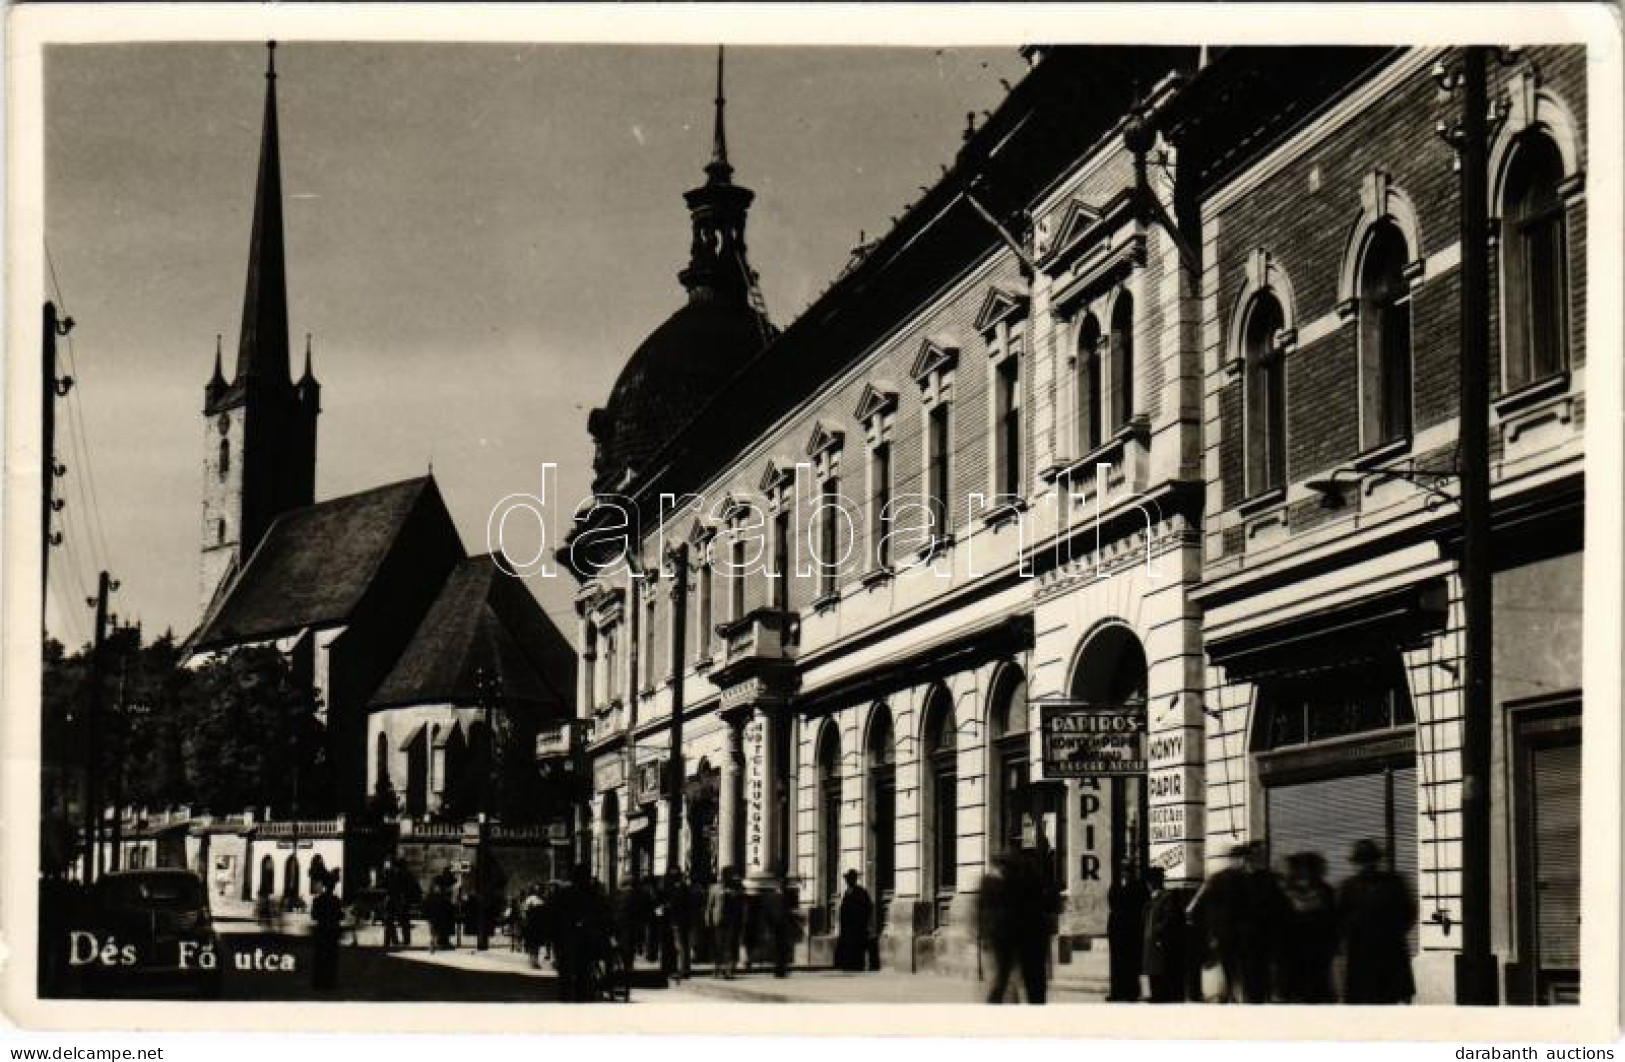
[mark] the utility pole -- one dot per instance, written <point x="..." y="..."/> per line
<point x="93" y="721"/>
<point x="674" y="769"/>
<point x="115" y="854"/>
<point x="1476" y="974"/>
<point x="53" y="389"/>
<point x="487" y="689"/>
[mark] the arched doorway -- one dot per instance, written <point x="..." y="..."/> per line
<point x="1009" y="766"/>
<point x="1111" y="671"/>
<point x="880" y="810"/>
<point x="829" y="816"/>
<point x="267" y="877"/>
<point x="318" y="870"/>
<point x="939" y="769"/>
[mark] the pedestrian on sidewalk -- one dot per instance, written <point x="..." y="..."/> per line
<point x="1310" y="938"/>
<point x="782" y="918"/>
<point x="584" y="934"/>
<point x="1126" y="902"/>
<point x="402" y="893"/>
<point x="327" y="921"/>
<point x="1165" y="952"/>
<point x="440" y="914"/>
<point x="532" y="923"/>
<point x="725" y="919"/>
<point x="676" y="917"/>
<point x="1242" y="909"/>
<point x="856" y="912"/>
<point x="1017" y="912"/>
<point x="1377" y="911"/>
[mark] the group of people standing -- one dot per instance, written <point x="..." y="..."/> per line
<point x="1251" y="935"/>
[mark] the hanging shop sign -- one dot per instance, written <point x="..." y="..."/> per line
<point x="553" y="740"/>
<point x="1085" y="740"/>
<point x="647" y="787"/>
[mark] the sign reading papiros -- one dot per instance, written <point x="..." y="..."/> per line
<point x="1082" y="740"/>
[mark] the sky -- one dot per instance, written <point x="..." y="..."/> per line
<point x="478" y="236"/>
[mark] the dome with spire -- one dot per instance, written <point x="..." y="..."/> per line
<point x="686" y="360"/>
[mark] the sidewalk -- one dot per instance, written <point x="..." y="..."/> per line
<point x="839" y="986"/>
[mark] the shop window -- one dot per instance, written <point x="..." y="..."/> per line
<point x="1534" y="264"/>
<point x="1334" y="702"/>
<point x="829" y="817"/>
<point x="880" y="807"/>
<point x="939" y="750"/>
<point x="1385" y="338"/>
<point x="1265" y="396"/>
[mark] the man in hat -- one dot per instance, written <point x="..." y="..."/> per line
<point x="1376" y="911"/>
<point x="856" y="915"/>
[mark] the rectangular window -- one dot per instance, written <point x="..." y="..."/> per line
<point x="880" y="504"/>
<point x="1266" y="423"/>
<point x="702" y="636"/>
<point x="937" y="462"/>
<point x="1007" y="427"/>
<point x="736" y="585"/>
<point x="651" y="669"/>
<point x="612" y="662"/>
<point x="829" y="535"/>
<point x="1396" y="369"/>
<point x="1543" y="265"/>
<point x="781" y="560"/>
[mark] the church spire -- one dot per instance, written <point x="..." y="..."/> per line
<point x="262" y="351"/>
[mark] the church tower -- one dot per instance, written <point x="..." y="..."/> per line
<point x="259" y="451"/>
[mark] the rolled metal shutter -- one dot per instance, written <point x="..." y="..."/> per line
<point x="1404" y="852"/>
<point x="1328" y="815"/>
<point x="1556" y="777"/>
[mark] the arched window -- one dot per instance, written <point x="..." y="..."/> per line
<point x="1385" y="338"/>
<point x="829" y="816"/>
<point x="380" y="765"/>
<point x="267" y="877"/>
<point x="1122" y="353"/>
<point x="225" y="459"/>
<point x="290" y="883"/>
<point x="1266" y="394"/>
<point x="940" y="770"/>
<point x="1534" y="263"/>
<point x="1089" y="385"/>
<point x="880" y="806"/>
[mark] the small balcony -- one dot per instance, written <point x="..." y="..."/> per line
<point x="764" y="640"/>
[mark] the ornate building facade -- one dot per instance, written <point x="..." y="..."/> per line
<point x="1115" y="415"/>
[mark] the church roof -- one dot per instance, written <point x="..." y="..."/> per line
<point x="484" y="619"/>
<point x="316" y="564"/>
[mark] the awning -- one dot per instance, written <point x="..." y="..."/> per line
<point x="1370" y="627"/>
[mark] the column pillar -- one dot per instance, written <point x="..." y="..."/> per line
<point x="729" y="813"/>
<point x="763" y="775"/>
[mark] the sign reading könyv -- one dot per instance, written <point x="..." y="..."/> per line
<point x="1081" y="740"/>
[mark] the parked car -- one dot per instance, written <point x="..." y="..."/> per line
<point x="151" y="933"/>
